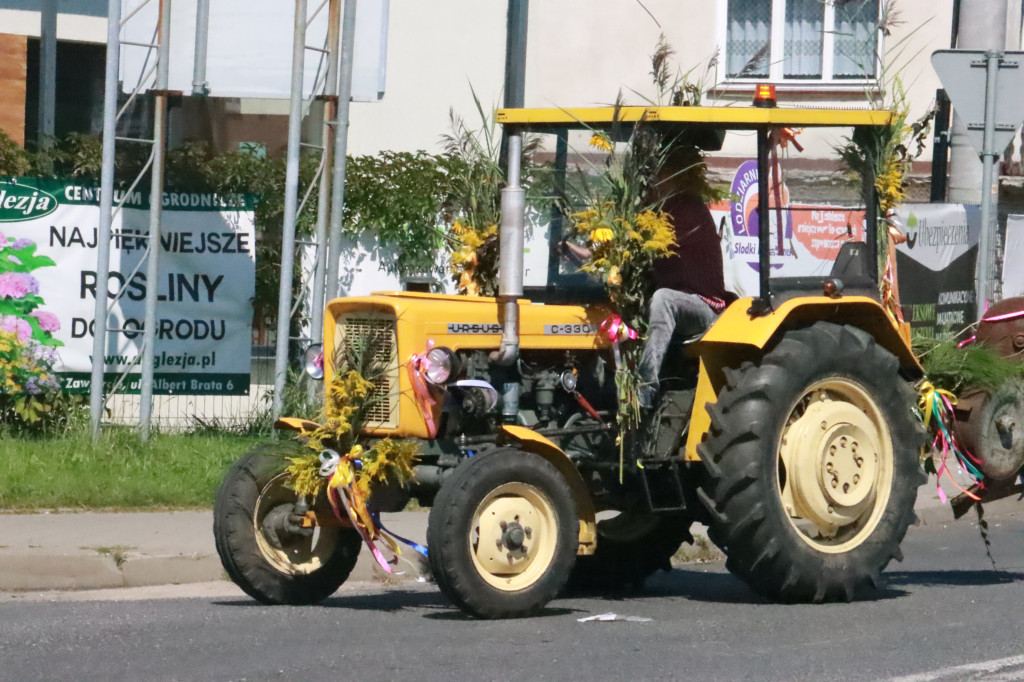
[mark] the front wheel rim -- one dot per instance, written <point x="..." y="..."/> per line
<point x="297" y="554"/>
<point x="513" y="536"/>
<point x="835" y="465"/>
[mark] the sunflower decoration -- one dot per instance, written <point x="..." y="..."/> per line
<point x="622" y="249"/>
<point x="601" y="141"/>
<point x="474" y="262"/>
<point x="474" y="205"/>
<point x="623" y="231"/>
<point x="887" y="153"/>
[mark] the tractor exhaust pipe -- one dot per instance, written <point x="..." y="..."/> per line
<point x="510" y="263"/>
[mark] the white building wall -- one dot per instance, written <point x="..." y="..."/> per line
<point x="580" y="53"/>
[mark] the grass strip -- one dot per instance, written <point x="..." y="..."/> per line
<point x="119" y="471"/>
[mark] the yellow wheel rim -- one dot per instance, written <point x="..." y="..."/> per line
<point x="513" y="536"/>
<point x="292" y="554"/>
<point x="835" y="465"/>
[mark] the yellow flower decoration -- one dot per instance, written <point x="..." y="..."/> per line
<point x="601" y="235"/>
<point x="600" y="141"/>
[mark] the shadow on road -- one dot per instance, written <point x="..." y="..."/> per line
<point x="723" y="588"/>
<point x="392" y="600"/>
<point x="387" y="601"/>
<point x="453" y="614"/>
<point x="952" y="578"/>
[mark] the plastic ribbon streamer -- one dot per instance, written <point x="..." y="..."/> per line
<point x="890" y="282"/>
<point x="780" y="139"/>
<point x="938" y="403"/>
<point x="617" y="331"/>
<point x="417" y="365"/>
<point x="996" y="318"/>
<point x="348" y="504"/>
<point x="890" y="290"/>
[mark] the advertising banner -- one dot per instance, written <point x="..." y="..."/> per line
<point x="936" y="266"/>
<point x="807" y="244"/>
<point x="1013" y="255"/>
<point x="204" y="292"/>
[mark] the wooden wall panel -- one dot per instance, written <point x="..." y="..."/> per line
<point x="13" y="55"/>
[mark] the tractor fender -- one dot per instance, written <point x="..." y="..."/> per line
<point x="296" y="424"/>
<point x="531" y="441"/>
<point x="737" y="336"/>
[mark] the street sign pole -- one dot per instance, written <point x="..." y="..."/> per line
<point x="983" y="285"/>
<point x="991" y="109"/>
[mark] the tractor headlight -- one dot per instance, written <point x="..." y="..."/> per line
<point x="313" y="361"/>
<point x="439" y="365"/>
<point x="569" y="379"/>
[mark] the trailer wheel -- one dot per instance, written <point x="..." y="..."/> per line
<point x="503" y="534"/>
<point x="631" y="547"/>
<point x="813" y="465"/>
<point x="270" y="564"/>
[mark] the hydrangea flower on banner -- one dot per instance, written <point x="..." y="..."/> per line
<point x="27" y="347"/>
<point x="20" y="301"/>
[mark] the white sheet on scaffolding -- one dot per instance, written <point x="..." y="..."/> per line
<point x="249" y="52"/>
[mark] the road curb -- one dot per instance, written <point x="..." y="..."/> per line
<point x="48" y="568"/>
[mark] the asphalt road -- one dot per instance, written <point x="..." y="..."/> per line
<point x="944" y="614"/>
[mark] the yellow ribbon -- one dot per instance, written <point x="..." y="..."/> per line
<point x="343" y="474"/>
<point x="928" y="397"/>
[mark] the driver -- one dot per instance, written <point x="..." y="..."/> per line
<point x="689" y="284"/>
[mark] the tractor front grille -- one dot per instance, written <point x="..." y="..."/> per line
<point x="373" y="334"/>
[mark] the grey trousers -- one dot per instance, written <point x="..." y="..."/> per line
<point x="673" y="313"/>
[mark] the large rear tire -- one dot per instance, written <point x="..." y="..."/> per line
<point x="268" y="563"/>
<point x="503" y="534"/>
<point x="813" y="465"/>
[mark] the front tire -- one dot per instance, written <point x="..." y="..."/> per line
<point x="503" y="534"/>
<point x="812" y="465"/>
<point x="270" y="565"/>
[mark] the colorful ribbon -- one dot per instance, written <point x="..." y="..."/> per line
<point x="939" y="403"/>
<point x="349" y="504"/>
<point x="781" y="138"/>
<point x="417" y="366"/>
<point x="617" y="331"/>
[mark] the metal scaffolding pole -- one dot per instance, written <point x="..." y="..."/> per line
<point x="291" y="199"/>
<point x="348" y="33"/>
<point x="47" y="72"/>
<point x="156" y="193"/>
<point x="110" y="88"/>
<point x="199" y="84"/>
<point x="330" y="97"/>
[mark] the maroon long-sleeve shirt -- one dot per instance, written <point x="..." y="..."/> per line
<point x="696" y="265"/>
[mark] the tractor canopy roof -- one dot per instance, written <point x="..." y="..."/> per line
<point x="707" y="124"/>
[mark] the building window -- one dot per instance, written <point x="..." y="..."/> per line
<point x="793" y="40"/>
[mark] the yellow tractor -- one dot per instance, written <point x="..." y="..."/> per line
<point x="788" y="428"/>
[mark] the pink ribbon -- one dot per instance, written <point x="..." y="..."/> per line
<point x="617" y="331"/>
<point x="339" y="498"/>
<point x="998" y="318"/>
<point x="1007" y="316"/>
<point x="418" y="365"/>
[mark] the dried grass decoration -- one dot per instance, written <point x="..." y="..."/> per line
<point x="350" y="470"/>
<point x="474" y="204"/>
